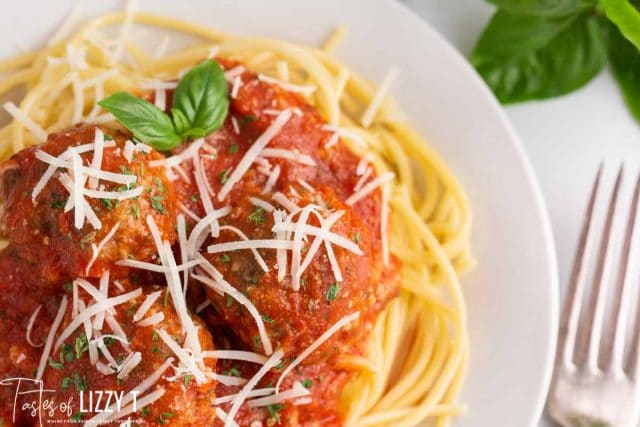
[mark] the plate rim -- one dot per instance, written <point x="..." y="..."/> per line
<point x="542" y="211"/>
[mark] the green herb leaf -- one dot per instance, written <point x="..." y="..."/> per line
<point x="65" y="383"/>
<point x="234" y="372"/>
<point x="164" y="418"/>
<point x="625" y="64"/>
<point x="544" y="7"/>
<point x="200" y="102"/>
<point x="54" y="364"/>
<point x="145" y="411"/>
<point x="224" y="175"/>
<point x="156" y="204"/>
<point x="81" y="345"/>
<point x="233" y="149"/>
<point x="266" y="318"/>
<point x="332" y="292"/>
<point x="274" y="411"/>
<point x="626" y="17"/>
<point x="78" y="416"/>
<point x="79" y="382"/>
<point x="145" y="121"/>
<point x="257" y="215"/>
<point x="524" y="57"/>
<point x="307" y="383"/>
<point x="187" y="380"/>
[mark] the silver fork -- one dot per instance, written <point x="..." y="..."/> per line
<point x="595" y="380"/>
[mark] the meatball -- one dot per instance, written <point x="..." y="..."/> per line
<point x="294" y="318"/>
<point x="71" y="373"/>
<point x="48" y="236"/>
<point x="322" y="406"/>
<point x="312" y="173"/>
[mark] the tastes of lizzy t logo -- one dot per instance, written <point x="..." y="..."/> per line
<point x="32" y="400"/>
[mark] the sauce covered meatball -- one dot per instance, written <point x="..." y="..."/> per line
<point x="116" y="359"/>
<point x="308" y="173"/>
<point x="43" y="226"/>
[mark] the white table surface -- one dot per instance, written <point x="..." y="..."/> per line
<point x="566" y="138"/>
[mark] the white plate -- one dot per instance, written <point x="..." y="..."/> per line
<point x="511" y="295"/>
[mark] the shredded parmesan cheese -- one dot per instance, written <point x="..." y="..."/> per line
<point x="317" y="343"/>
<point x="273" y="361"/>
<point x="146" y="305"/>
<point x="25" y="121"/>
<point x="50" y="336"/>
<point x="253" y="152"/>
<point x="372" y="109"/>
<point x="32" y="320"/>
<point x="305" y="90"/>
<point x="369" y="188"/>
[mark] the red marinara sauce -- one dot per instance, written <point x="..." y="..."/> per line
<point x="69" y="371"/>
<point x="46" y="235"/>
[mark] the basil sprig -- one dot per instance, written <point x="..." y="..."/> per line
<point x="200" y="105"/>
<point x="537" y="49"/>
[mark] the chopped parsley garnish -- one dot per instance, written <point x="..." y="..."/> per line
<point x="195" y="197"/>
<point x="87" y="238"/>
<point x="274" y="411"/>
<point x="332" y="292"/>
<point x="135" y="209"/>
<point x="225" y="258"/>
<point x="68" y="286"/>
<point x="257" y="215"/>
<point x="267" y="319"/>
<point x="82" y="345"/>
<point x="66" y="353"/>
<point x="108" y="203"/>
<point x="78" y="416"/>
<point x="224" y="175"/>
<point x="279" y="366"/>
<point x="155" y="336"/>
<point x="166" y="297"/>
<point x="154" y="349"/>
<point x="158" y="182"/>
<point x="163" y="418"/>
<point x="234" y="372"/>
<point x="58" y="203"/>
<point x="156" y="204"/>
<point x="256" y="341"/>
<point x="307" y="383"/>
<point x="125" y="171"/>
<point x="65" y="383"/>
<point x="145" y="411"/>
<point x="187" y="380"/>
<point x="54" y="364"/>
<point x="79" y="382"/>
<point x="356" y="237"/>
<point x="245" y="120"/>
<point x="108" y="341"/>
<point x="229" y="300"/>
<point x="233" y="149"/>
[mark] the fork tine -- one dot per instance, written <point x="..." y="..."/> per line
<point x="613" y="347"/>
<point x="573" y="302"/>
<point x="591" y="331"/>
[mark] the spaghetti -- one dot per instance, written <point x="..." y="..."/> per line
<point x="417" y="352"/>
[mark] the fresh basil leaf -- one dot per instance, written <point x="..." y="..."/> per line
<point x="200" y="102"/>
<point x="510" y="36"/>
<point x="145" y="121"/>
<point x="548" y="8"/>
<point x="624" y="58"/>
<point x="524" y="57"/>
<point x="626" y="17"/>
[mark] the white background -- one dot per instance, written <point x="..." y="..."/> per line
<point x="566" y="138"/>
